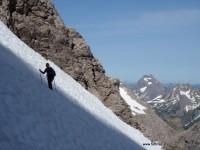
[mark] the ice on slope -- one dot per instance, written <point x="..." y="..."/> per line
<point x="34" y="117"/>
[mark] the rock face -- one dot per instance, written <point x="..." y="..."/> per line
<point x="38" y="24"/>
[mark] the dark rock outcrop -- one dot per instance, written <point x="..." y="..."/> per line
<point x="38" y="24"/>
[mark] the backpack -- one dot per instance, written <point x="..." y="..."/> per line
<point x="53" y="73"/>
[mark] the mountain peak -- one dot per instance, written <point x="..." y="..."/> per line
<point x="146" y="85"/>
<point x="148" y="80"/>
<point x="148" y="76"/>
<point x="182" y="86"/>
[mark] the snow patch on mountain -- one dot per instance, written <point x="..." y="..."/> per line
<point x="158" y="97"/>
<point x="188" y="95"/>
<point x="134" y="105"/>
<point x="157" y="102"/>
<point x="143" y="89"/>
<point x="147" y="80"/>
<point x="191" y="107"/>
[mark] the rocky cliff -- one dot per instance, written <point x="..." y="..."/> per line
<point x="38" y="24"/>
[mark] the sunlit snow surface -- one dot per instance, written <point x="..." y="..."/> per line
<point x="34" y="117"/>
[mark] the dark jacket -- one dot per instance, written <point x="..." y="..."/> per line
<point x="50" y="72"/>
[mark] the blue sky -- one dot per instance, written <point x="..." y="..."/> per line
<point x="133" y="38"/>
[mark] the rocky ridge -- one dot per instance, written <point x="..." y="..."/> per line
<point x="179" y="105"/>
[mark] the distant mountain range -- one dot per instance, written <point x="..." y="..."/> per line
<point x="132" y="85"/>
<point x="177" y="104"/>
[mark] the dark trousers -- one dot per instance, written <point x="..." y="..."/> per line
<point x="50" y="79"/>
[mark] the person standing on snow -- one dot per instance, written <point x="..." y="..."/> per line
<point x="50" y="74"/>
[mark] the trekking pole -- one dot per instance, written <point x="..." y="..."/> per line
<point x="55" y="85"/>
<point x="41" y="77"/>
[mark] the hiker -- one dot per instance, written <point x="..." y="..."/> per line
<point x="50" y="74"/>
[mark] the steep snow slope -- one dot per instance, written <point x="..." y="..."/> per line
<point x="34" y="117"/>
